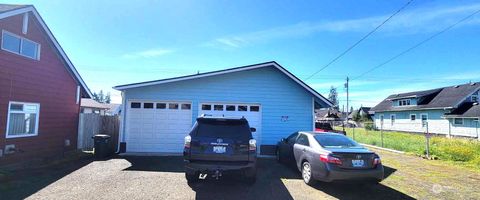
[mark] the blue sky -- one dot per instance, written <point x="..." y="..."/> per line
<point x="119" y="42"/>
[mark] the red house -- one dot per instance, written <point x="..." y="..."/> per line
<point x="40" y="90"/>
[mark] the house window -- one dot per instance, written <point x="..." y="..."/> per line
<point x="405" y="102"/>
<point x="413" y="117"/>
<point x="148" y="105"/>
<point x="424" y="119"/>
<point x="230" y="108"/>
<point x="186" y="106"/>
<point x="458" y="121"/>
<point x="242" y="108"/>
<point x="381" y="119"/>
<point x="218" y="107"/>
<point x="173" y="106"/>
<point x="22" y="119"/>
<point x="254" y="108"/>
<point x="135" y="105"/>
<point x="20" y="46"/>
<point x="392" y="119"/>
<point x="161" y="105"/>
<point x="474" y="98"/>
<point x="206" y="107"/>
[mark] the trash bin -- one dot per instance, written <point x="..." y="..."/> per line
<point x="102" y="146"/>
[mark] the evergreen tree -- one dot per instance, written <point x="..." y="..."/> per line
<point x="333" y="97"/>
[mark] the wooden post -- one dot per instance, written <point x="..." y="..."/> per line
<point x="381" y="132"/>
<point x="427" y="137"/>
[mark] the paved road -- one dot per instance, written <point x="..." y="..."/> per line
<point x="163" y="178"/>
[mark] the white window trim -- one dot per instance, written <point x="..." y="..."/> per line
<point x="25" y="23"/>
<point x="411" y="117"/>
<point x="426" y="114"/>
<point x="21" y="44"/>
<point x="8" y="120"/>
<point x="394" y="119"/>
<point x="463" y="121"/>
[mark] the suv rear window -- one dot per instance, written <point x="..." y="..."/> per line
<point x="335" y="141"/>
<point x="223" y="128"/>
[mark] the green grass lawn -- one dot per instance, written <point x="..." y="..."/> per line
<point x="457" y="150"/>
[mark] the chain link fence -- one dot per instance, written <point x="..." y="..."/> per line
<point x="463" y="147"/>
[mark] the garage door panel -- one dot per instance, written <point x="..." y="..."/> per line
<point x="156" y="129"/>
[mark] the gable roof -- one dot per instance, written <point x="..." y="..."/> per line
<point x="90" y="103"/>
<point x="225" y="71"/>
<point x="9" y="7"/>
<point x="8" y="10"/>
<point x="440" y="98"/>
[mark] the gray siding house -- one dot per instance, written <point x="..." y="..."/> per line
<point x="452" y="111"/>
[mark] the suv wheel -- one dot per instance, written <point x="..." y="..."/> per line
<point x="307" y="173"/>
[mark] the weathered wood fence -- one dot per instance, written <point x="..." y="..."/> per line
<point x="91" y="124"/>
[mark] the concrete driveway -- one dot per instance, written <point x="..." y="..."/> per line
<point x="137" y="177"/>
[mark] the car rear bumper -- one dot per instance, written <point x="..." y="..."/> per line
<point x="375" y="174"/>
<point x="207" y="167"/>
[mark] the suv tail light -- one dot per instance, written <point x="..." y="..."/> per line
<point x="188" y="140"/>
<point x="252" y="145"/>
<point x="330" y="159"/>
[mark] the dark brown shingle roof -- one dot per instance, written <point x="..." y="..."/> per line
<point x="437" y="98"/>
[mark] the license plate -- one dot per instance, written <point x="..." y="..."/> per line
<point x="357" y="163"/>
<point x="219" y="149"/>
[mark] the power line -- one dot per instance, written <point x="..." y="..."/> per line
<point x="358" y="42"/>
<point x="417" y="45"/>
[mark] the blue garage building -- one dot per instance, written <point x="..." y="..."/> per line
<point x="159" y="114"/>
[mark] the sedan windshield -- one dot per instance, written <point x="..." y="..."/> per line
<point x="338" y="141"/>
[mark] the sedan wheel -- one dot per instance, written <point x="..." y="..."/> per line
<point x="307" y="173"/>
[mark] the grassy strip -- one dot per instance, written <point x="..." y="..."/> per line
<point x="458" y="150"/>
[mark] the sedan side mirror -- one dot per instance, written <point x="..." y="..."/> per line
<point x="253" y="130"/>
<point x="283" y="140"/>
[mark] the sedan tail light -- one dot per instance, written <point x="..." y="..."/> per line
<point x="252" y="145"/>
<point x="376" y="160"/>
<point x="188" y="140"/>
<point x="330" y="159"/>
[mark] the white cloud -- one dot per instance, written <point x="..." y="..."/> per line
<point x="150" y="53"/>
<point x="408" y="22"/>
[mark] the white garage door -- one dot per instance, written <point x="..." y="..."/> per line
<point x="252" y="112"/>
<point x="157" y="126"/>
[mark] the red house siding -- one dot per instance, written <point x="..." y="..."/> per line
<point x="45" y="81"/>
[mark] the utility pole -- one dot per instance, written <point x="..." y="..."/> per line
<point x="346" y="86"/>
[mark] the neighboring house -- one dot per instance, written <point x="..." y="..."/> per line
<point x="364" y="113"/>
<point x="91" y="106"/>
<point x="452" y="110"/>
<point x="159" y="114"/>
<point x="40" y="89"/>
<point x="328" y="114"/>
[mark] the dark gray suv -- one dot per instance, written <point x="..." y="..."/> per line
<point x="217" y="145"/>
